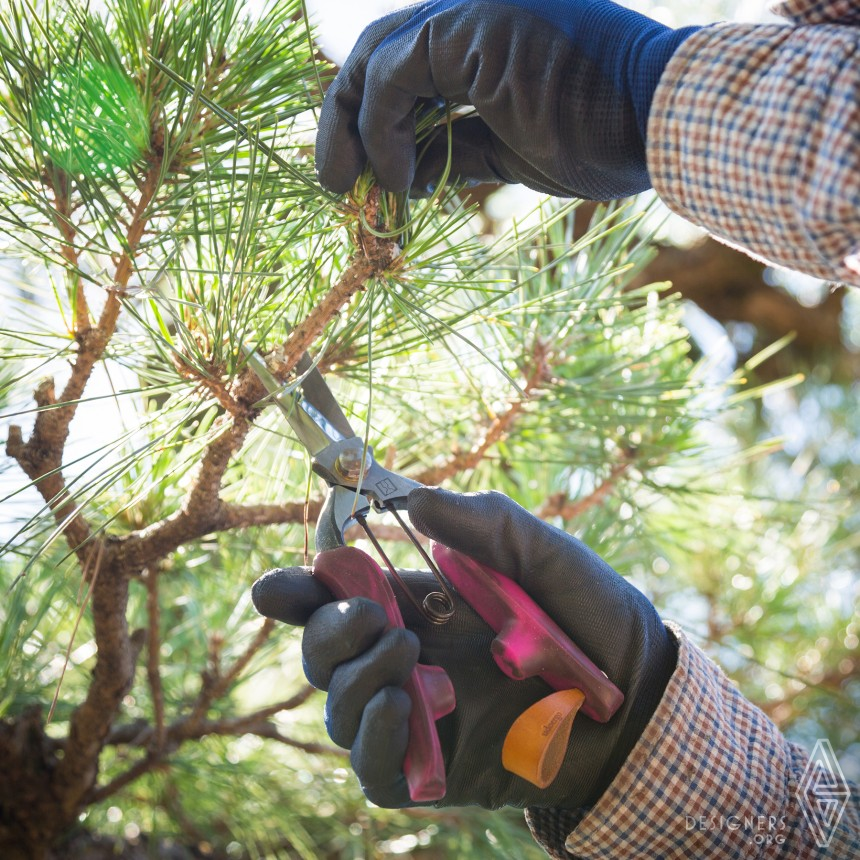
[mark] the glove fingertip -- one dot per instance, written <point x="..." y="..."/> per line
<point x="289" y="594"/>
<point x="338" y="168"/>
<point x="338" y="151"/>
<point x="393" y="166"/>
<point x="380" y="747"/>
<point x="388" y="137"/>
<point x="440" y="513"/>
<point x="424" y="504"/>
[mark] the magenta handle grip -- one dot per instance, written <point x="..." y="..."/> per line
<point x="529" y="642"/>
<point x="348" y="572"/>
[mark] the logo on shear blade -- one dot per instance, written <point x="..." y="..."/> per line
<point x="386" y="487"/>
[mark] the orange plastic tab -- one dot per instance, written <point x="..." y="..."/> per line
<point x="537" y="741"/>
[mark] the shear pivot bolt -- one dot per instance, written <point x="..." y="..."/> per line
<point x="349" y="463"/>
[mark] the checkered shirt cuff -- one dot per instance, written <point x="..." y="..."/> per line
<point x="819" y="11"/>
<point x="754" y="134"/>
<point x="711" y="777"/>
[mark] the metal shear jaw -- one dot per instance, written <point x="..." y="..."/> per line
<point x="341" y="508"/>
<point x="350" y="463"/>
<point x="342" y="467"/>
<point x="356" y="481"/>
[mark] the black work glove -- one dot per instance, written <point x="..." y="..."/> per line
<point x="562" y="89"/>
<point x="347" y="653"/>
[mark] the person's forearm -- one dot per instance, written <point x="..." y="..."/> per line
<point x="754" y="134"/>
<point x="711" y="777"/>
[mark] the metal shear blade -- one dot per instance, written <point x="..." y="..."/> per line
<point x="356" y="481"/>
<point x="307" y="404"/>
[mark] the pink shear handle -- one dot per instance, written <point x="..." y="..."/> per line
<point x="348" y="572"/>
<point x="529" y="642"/>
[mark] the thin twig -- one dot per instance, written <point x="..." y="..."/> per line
<point x="270" y="732"/>
<point x="137" y="770"/>
<point x="375" y="256"/>
<point x="559" y="505"/>
<point x="215" y="687"/>
<point x="202" y="513"/>
<point x="191" y="728"/>
<point x="153" y="760"/>
<point x="153" y="655"/>
<point x="64" y="208"/>
<point x="464" y="461"/>
<point x="139" y="732"/>
<point x="500" y="426"/>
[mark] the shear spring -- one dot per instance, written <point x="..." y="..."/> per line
<point x="437" y="606"/>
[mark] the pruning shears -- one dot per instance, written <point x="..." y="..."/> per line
<point x="528" y="641"/>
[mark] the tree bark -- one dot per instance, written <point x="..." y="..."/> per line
<point x="730" y="286"/>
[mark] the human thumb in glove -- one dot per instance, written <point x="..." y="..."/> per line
<point x="350" y="651"/>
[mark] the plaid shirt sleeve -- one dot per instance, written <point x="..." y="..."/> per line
<point x="754" y="134"/>
<point x="711" y="777"/>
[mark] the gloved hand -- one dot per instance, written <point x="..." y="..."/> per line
<point x="346" y="652"/>
<point x="562" y="89"/>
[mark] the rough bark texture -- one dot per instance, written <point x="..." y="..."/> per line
<point x="27" y="809"/>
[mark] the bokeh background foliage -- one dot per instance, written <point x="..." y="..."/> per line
<point x="158" y="208"/>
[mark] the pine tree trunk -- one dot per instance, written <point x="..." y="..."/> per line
<point x="30" y="817"/>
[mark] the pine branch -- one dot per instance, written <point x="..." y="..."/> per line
<point x="41" y="457"/>
<point x="144" y="546"/>
<point x="153" y="656"/>
<point x="137" y="227"/>
<point x="501" y="424"/>
<point x="372" y="257"/>
<point x="203" y="507"/>
<point x="97" y="551"/>
<point x="246" y="516"/>
<point x="203" y="512"/>
<point x="113" y="674"/>
<point x="290" y="513"/>
<point x="137" y="770"/>
<point x="63" y="206"/>
<point x="207" y="485"/>
<point x="191" y="727"/>
<point x="559" y="505"/>
<point x="215" y="685"/>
